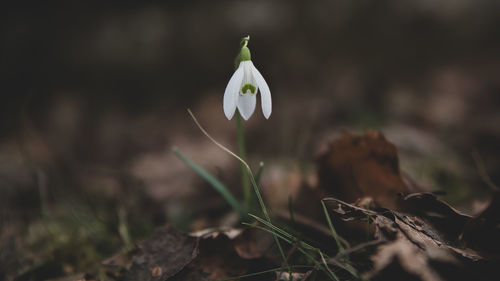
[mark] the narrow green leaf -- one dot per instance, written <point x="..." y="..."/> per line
<point x="216" y="184"/>
<point x="328" y="272"/>
<point x="283" y="232"/>
<point x="259" y="172"/>
<point x="334" y="233"/>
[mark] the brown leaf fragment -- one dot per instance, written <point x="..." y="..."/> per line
<point x="162" y="255"/>
<point x="427" y="210"/>
<point x="482" y="233"/>
<point x="249" y="243"/>
<point x="226" y="252"/>
<point x="418" y="243"/>
<point x="385" y="229"/>
<point x="393" y="271"/>
<point x="401" y="258"/>
<point x="362" y="166"/>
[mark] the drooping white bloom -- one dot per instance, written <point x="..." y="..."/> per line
<point x="241" y="92"/>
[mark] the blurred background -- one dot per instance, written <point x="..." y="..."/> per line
<point x="94" y="96"/>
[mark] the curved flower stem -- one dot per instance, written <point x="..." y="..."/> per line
<point x="250" y="175"/>
<point x="247" y="192"/>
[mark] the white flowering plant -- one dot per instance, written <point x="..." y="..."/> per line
<point x="239" y="101"/>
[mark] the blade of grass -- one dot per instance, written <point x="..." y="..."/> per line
<point x="326" y="266"/>
<point x="270" y="231"/>
<point x="123" y="229"/>
<point x="252" y="274"/>
<point x="334" y="233"/>
<point x="259" y="172"/>
<point x="216" y="184"/>
<point x="270" y="225"/>
<point x="264" y="209"/>
<point x="283" y="232"/>
<point x="291" y="238"/>
<point x="306" y="254"/>
<point x="263" y="272"/>
<point x="347" y="267"/>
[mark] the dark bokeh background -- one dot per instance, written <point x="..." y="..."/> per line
<point x="93" y="96"/>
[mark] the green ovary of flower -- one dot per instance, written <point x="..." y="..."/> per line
<point x="247" y="87"/>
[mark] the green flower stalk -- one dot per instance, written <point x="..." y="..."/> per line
<point x="241" y="94"/>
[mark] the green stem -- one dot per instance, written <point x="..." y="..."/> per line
<point x="247" y="192"/>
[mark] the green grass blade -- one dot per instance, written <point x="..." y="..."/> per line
<point x="289" y="238"/>
<point x="334" y="233"/>
<point x="259" y="172"/>
<point x="252" y="274"/>
<point x="270" y="225"/>
<point x="333" y="276"/>
<point x="123" y="229"/>
<point x="318" y="264"/>
<point x="216" y="184"/>
<point x="263" y="272"/>
<point x="269" y="231"/>
<point x="283" y="232"/>
<point x="264" y="210"/>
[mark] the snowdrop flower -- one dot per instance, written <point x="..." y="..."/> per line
<point x="241" y="91"/>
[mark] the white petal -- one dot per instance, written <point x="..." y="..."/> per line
<point x="246" y="105"/>
<point x="265" y="93"/>
<point x="248" y="74"/>
<point x="231" y="94"/>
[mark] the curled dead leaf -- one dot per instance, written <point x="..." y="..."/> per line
<point x="354" y="167"/>
<point x="482" y="233"/>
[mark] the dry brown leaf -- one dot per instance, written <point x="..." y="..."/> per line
<point x="163" y="255"/>
<point x="421" y="241"/>
<point x="218" y="259"/>
<point x="482" y="233"/>
<point x="354" y="167"/>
